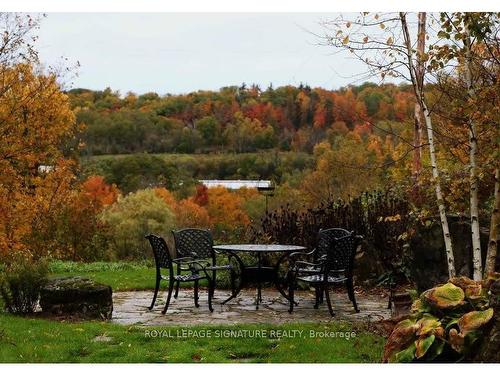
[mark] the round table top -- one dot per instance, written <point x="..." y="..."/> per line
<point x="254" y="248"/>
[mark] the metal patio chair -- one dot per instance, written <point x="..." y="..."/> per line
<point x="163" y="260"/>
<point x="333" y="264"/>
<point x="315" y="255"/>
<point x="197" y="244"/>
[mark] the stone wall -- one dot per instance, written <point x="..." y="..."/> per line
<point x="427" y="252"/>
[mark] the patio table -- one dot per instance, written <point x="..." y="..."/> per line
<point x="258" y="273"/>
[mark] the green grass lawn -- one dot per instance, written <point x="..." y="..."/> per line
<point x="119" y="275"/>
<point x="37" y="340"/>
<point x="27" y="339"/>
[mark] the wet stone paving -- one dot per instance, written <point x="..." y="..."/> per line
<point x="132" y="308"/>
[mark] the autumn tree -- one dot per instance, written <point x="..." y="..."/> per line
<point x="35" y="122"/>
<point x="99" y="192"/>
<point x="226" y="210"/>
<point x="470" y="51"/>
<point x="131" y="218"/>
<point x="344" y="169"/>
<point x="188" y="214"/>
<point x="201" y="196"/>
<point x="389" y="49"/>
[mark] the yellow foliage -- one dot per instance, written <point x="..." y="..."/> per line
<point x="226" y="208"/>
<point x="36" y="119"/>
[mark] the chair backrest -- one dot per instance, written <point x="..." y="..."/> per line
<point x="192" y="241"/>
<point x="343" y="253"/>
<point x="162" y="256"/>
<point x="326" y="238"/>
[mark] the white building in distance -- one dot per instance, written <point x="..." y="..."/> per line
<point x="237" y="184"/>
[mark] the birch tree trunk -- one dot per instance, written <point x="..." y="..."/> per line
<point x="417" y="131"/>
<point x="474" y="203"/>
<point x="450" y="258"/>
<point x="432" y="151"/>
<point x="491" y="255"/>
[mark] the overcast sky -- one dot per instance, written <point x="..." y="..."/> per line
<point x="179" y="53"/>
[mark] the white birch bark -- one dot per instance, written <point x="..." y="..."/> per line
<point x="417" y="131"/>
<point x="432" y="151"/>
<point x="491" y="255"/>
<point x="473" y="185"/>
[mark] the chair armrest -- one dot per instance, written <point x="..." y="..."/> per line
<point x="338" y="271"/>
<point x="202" y="267"/>
<point x="301" y="253"/>
<point x="182" y="260"/>
<point x="201" y="263"/>
<point x="303" y="263"/>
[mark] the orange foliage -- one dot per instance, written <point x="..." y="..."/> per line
<point x="167" y="197"/>
<point x="100" y="193"/>
<point x="339" y="127"/>
<point x="201" y="196"/>
<point x="190" y="215"/>
<point x="37" y="118"/>
<point x="225" y="208"/>
<point x="246" y="193"/>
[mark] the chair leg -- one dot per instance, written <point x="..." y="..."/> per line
<point x="328" y="301"/>
<point x="211" y="287"/>
<point x="317" y="297"/>
<point x="196" y="294"/>
<point x="291" y="286"/>
<point x="157" y="287"/>
<point x="178" y="282"/>
<point x="170" y="289"/>
<point x="233" y="283"/>
<point x="352" y="297"/>
<point x="214" y="281"/>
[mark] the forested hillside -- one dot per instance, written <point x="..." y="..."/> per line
<point x="234" y="119"/>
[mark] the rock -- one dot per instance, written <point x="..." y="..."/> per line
<point x="488" y="351"/>
<point x="428" y="259"/>
<point x="78" y="296"/>
<point x="102" y="338"/>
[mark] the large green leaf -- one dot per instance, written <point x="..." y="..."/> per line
<point x="435" y="350"/>
<point x="406" y="356"/>
<point x="419" y="307"/>
<point x="445" y="296"/>
<point x="402" y="334"/>
<point x="427" y="324"/>
<point x="451" y="323"/>
<point x="474" y="320"/>
<point x="423" y="344"/>
<point x="472" y="289"/>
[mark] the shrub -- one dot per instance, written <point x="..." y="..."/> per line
<point x="383" y="218"/>
<point x="189" y="215"/>
<point x="445" y="325"/>
<point x="226" y="210"/>
<point x="20" y="284"/>
<point x="133" y="217"/>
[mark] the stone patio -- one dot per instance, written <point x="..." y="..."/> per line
<point x="132" y="308"/>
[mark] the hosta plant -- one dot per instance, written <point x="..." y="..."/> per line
<point x="444" y="323"/>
